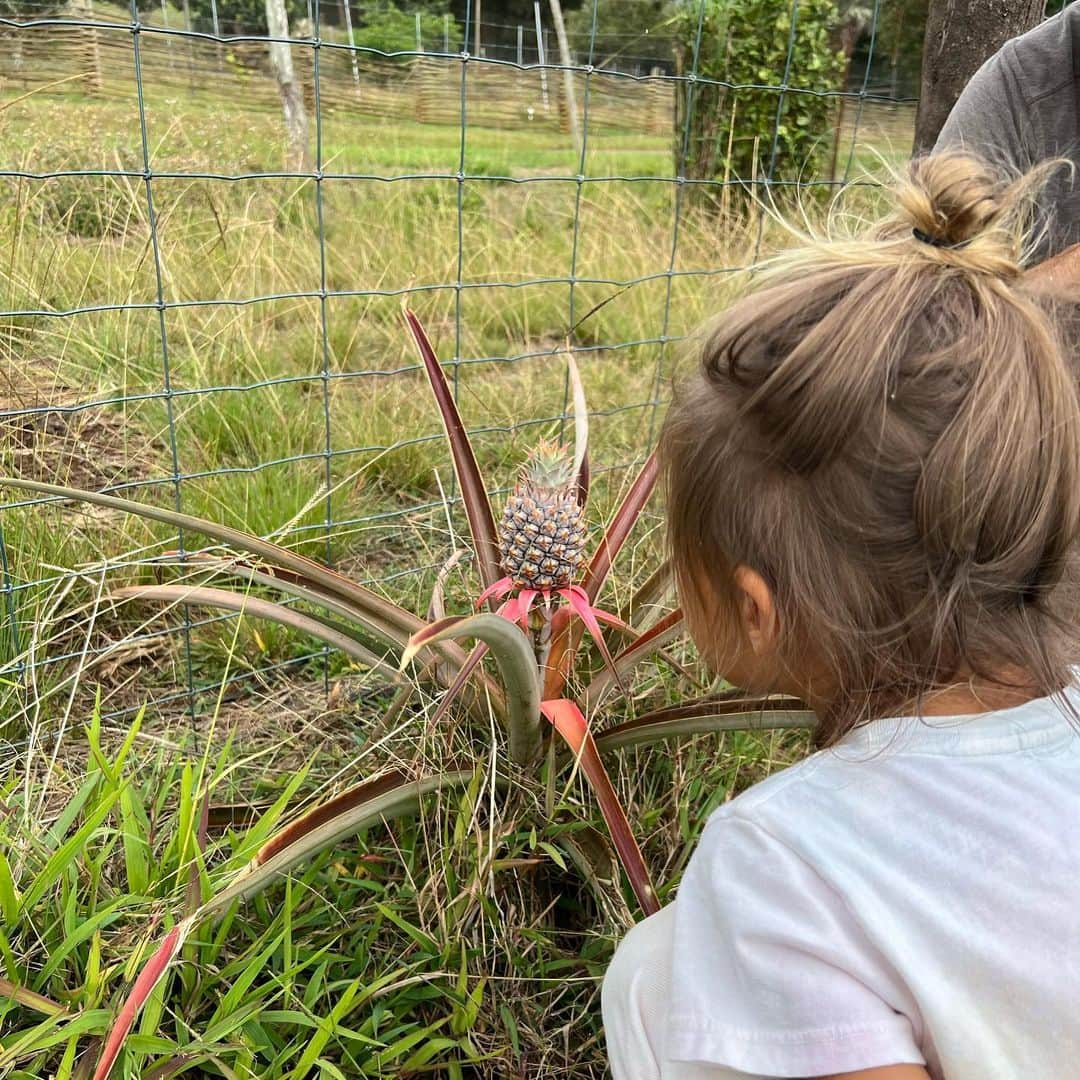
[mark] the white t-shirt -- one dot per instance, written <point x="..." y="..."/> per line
<point x="911" y="895"/>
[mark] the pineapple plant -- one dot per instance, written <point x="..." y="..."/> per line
<point x="542" y="531"/>
<point x="536" y="552"/>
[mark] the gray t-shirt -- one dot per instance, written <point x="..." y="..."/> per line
<point x="1022" y="107"/>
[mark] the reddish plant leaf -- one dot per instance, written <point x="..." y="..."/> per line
<point x="381" y="799"/>
<point x="385" y="797"/>
<point x="458" y="684"/>
<point x="620" y="527"/>
<point x="579" y="604"/>
<point x="332" y="808"/>
<point x="513" y="653"/>
<point x="731" y="712"/>
<point x="649" y="643"/>
<point x="473" y="491"/>
<point x="333" y="634"/>
<point x="148" y="978"/>
<point x="565" y="640"/>
<point x="569" y="722"/>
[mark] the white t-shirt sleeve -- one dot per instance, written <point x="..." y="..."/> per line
<point x="771" y="975"/>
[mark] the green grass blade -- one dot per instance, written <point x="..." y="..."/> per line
<point x="514" y="656"/>
<point x="9" y="895"/>
<point x="58" y="863"/>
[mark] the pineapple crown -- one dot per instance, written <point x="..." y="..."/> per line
<point x="550" y="465"/>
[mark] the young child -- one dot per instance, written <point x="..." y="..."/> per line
<point x="873" y="504"/>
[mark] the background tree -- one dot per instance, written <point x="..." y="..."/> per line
<point x="632" y="27"/>
<point x="292" y="93"/>
<point x="239" y="15"/>
<point x="960" y="36"/>
<point x="390" y="27"/>
<point x="728" y="128"/>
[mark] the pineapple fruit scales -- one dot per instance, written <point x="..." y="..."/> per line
<point x="542" y="531"/>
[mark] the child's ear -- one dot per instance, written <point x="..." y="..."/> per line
<point x="757" y="609"/>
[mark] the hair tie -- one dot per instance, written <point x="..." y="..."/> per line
<point x="933" y="241"/>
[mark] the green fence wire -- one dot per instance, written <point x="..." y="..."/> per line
<point x="320" y="50"/>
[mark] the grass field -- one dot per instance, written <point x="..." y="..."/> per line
<point x="463" y="943"/>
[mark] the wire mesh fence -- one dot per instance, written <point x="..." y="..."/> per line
<point x="185" y="319"/>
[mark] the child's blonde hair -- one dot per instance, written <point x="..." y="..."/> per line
<point x="888" y="431"/>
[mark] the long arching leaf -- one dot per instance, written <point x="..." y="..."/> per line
<point x="619" y="528"/>
<point x="569" y="722"/>
<point x="473" y="491"/>
<point x="368" y="608"/>
<point x="445" y="667"/>
<point x="390" y="796"/>
<point x="336" y="636"/>
<point x="513" y="654"/>
<point x="734" y="713"/>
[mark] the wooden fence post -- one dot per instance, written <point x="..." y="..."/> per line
<point x="562" y="106"/>
<point x="426" y="75"/>
<point x="89" y="50"/>
<point x="660" y="104"/>
<point x="305" y="64"/>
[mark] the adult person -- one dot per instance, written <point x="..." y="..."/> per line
<point x="1022" y="107"/>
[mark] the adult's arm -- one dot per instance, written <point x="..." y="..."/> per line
<point x="1058" y="276"/>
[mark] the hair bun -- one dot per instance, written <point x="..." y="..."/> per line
<point x="965" y="212"/>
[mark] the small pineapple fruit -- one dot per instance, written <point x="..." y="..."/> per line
<point x="542" y="534"/>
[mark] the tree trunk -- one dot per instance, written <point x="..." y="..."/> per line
<point x="960" y="35"/>
<point x="292" y="93"/>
